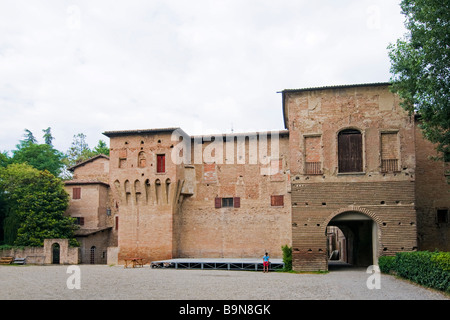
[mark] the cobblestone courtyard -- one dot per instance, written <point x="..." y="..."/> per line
<point x="116" y="282"/>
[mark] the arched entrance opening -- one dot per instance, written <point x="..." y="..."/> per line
<point x="352" y="239"/>
<point x="55" y="253"/>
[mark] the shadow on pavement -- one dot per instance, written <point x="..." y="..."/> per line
<point x="342" y="266"/>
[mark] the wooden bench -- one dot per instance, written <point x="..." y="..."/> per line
<point x="6" y="260"/>
<point x="19" y="260"/>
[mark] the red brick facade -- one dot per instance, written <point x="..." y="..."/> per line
<point x="350" y="157"/>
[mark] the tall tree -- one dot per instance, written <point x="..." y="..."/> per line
<point x="420" y="67"/>
<point x="29" y="137"/>
<point x="78" y="151"/>
<point x="39" y="156"/>
<point x="48" y="138"/>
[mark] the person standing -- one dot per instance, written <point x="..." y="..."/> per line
<point x="266" y="261"/>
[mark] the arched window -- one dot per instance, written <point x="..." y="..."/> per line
<point x="142" y="163"/>
<point x="350" y="155"/>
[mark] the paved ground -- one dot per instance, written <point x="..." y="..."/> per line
<point x="105" y="282"/>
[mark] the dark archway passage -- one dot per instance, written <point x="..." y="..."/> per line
<point x="355" y="238"/>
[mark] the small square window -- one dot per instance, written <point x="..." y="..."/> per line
<point x="227" y="203"/>
<point x="442" y="216"/>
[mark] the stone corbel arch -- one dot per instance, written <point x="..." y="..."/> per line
<point x="353" y="208"/>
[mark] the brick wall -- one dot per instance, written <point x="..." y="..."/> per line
<point x="255" y="226"/>
<point x="159" y="220"/>
<point x="387" y="198"/>
<point x="144" y="198"/>
<point x="389" y="204"/>
<point x="433" y="193"/>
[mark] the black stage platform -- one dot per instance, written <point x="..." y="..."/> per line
<point x="217" y="263"/>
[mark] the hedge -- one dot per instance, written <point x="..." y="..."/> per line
<point x="430" y="269"/>
<point x="287" y="257"/>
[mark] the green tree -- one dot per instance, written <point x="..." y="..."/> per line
<point x="39" y="156"/>
<point x="79" y="150"/>
<point x="34" y="203"/>
<point x="4" y="159"/>
<point x="48" y="136"/>
<point x="29" y="137"/>
<point x="420" y="67"/>
<point x="101" y="148"/>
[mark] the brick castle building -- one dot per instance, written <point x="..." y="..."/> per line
<point x="350" y="174"/>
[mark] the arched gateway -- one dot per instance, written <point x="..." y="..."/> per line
<point x="353" y="237"/>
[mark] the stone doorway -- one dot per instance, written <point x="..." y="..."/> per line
<point x="56" y="250"/>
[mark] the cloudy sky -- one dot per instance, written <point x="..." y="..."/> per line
<point x="206" y="66"/>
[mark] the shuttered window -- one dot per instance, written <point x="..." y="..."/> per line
<point x="236" y="202"/>
<point x="277" y="201"/>
<point x="218" y="203"/>
<point x="161" y="163"/>
<point x="76" y="193"/>
<point x="350" y="158"/>
<point x="79" y="221"/>
<point x="227" y="202"/>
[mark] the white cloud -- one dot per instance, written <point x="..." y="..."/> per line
<point x="84" y="66"/>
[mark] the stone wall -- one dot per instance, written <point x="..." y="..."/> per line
<point x="44" y="255"/>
